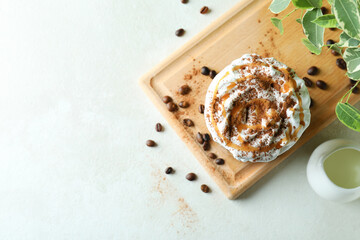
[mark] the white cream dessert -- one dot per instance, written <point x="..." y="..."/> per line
<point x="257" y="108"/>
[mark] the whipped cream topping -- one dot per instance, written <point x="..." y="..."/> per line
<point x="257" y="108"/>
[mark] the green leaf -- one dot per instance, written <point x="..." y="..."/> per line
<point x="326" y="21"/>
<point x="336" y="48"/>
<point x="278" y="23"/>
<point x="279" y="5"/>
<point x="312" y="48"/>
<point x="353" y="65"/>
<point x="299" y="20"/>
<point x="347" y="41"/>
<point x="351" y="57"/>
<point x="351" y="54"/>
<point x="331" y="2"/>
<point x="348" y="115"/>
<point x="348" y="16"/>
<point x="314" y="32"/>
<point x="354" y="76"/>
<point x="306" y="4"/>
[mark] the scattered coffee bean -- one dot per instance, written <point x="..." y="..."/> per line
<point x="206" y="146"/>
<point x="206" y="137"/>
<point x="184" y="89"/>
<point x="313" y="70"/>
<point x="158" y="127"/>
<point x="191" y="176"/>
<point x="169" y="170"/>
<point x="184" y="104"/>
<point x="213" y="74"/>
<point x="172" y="107"/>
<point x="184" y="1"/>
<point x="205" y="188"/>
<point x="341" y="63"/>
<point x="201" y="108"/>
<point x="180" y="32"/>
<point x="333" y="29"/>
<point x="199" y="138"/>
<point x="355" y="90"/>
<point x="352" y="82"/>
<point x="166" y="99"/>
<point x="324" y="10"/>
<point x="335" y="53"/>
<point x="212" y="155"/>
<point x="308" y="82"/>
<point x="329" y="42"/>
<point x="321" y="84"/>
<point x="150" y="143"/>
<point x="204" y="10"/>
<point x="205" y="71"/>
<point x="311" y="102"/>
<point x="219" y="161"/>
<point x="188" y="122"/>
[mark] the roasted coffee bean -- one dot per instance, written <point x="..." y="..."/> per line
<point x="191" y="176"/>
<point x="212" y="155"/>
<point x="311" y="102"/>
<point x="158" y="127"/>
<point x="184" y="1"/>
<point x="180" y="32"/>
<point x="204" y="10"/>
<point x="352" y="82"/>
<point x="150" y="143"/>
<point x="329" y="42"/>
<point x="206" y="137"/>
<point x="206" y="146"/>
<point x="166" y="99"/>
<point x="184" y="104"/>
<point x="184" y="89"/>
<point x="324" y="10"/>
<point x="321" y="84"/>
<point x="355" y="90"/>
<point x="213" y="74"/>
<point x="205" y="71"/>
<point x="188" y="122"/>
<point x="172" y="107"/>
<point x="219" y="161"/>
<point x="199" y="138"/>
<point x="201" y="108"/>
<point x="205" y="188"/>
<point x="169" y="170"/>
<point x="333" y="29"/>
<point x="308" y="82"/>
<point x="341" y="63"/>
<point x="335" y="53"/>
<point x="313" y="70"/>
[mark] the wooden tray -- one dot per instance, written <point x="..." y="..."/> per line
<point x="244" y="29"/>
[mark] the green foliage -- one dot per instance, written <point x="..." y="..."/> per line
<point x="307" y="4"/>
<point x="348" y="115"/>
<point x="278" y="6"/>
<point x="312" y="48"/>
<point x="326" y="21"/>
<point x="278" y="23"/>
<point x="314" y="32"/>
<point x="348" y="16"/>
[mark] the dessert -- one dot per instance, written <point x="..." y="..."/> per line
<point x="257" y="108"/>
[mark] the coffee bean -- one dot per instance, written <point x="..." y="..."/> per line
<point x="333" y="29"/>
<point x="311" y="102"/>
<point x="206" y="137"/>
<point x="206" y="146"/>
<point x="324" y="10"/>
<point x="341" y="63"/>
<point x="205" y="188"/>
<point x="352" y="82"/>
<point x="321" y="84"/>
<point x="184" y="89"/>
<point x="335" y="53"/>
<point x="355" y="90"/>
<point x="158" y="127"/>
<point x="150" y="143"/>
<point x="219" y="161"/>
<point x="205" y="71"/>
<point x="213" y="74"/>
<point x="313" y="70"/>
<point x="184" y="104"/>
<point x="329" y="42"/>
<point x="204" y="10"/>
<point x="169" y="170"/>
<point x="191" y="176"/>
<point x="308" y="82"/>
<point x="201" y="108"/>
<point x="180" y="32"/>
<point x="188" y="122"/>
<point x="212" y="155"/>
<point x="184" y="1"/>
<point x="172" y="107"/>
<point x="199" y="138"/>
<point x="166" y="99"/>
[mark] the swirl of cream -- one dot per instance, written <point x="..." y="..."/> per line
<point x="257" y="108"/>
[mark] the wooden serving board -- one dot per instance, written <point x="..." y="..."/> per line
<point x="244" y="29"/>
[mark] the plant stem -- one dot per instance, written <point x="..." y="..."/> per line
<point x="351" y="91"/>
<point x="289" y="14"/>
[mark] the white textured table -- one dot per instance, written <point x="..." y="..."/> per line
<point x="73" y="122"/>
